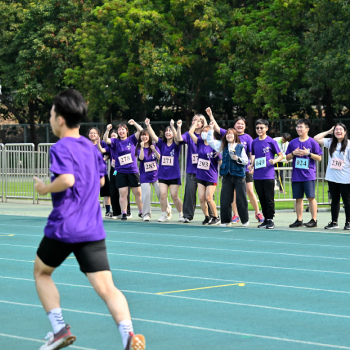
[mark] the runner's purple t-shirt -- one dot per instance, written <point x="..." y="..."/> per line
<point x="150" y="163"/>
<point x="192" y="151"/>
<point x="76" y="215"/>
<point x="309" y="174"/>
<point x="169" y="154"/>
<point x="261" y="149"/>
<point x="205" y="152"/>
<point x="121" y="149"/>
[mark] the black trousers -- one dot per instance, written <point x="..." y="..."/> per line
<point x="115" y="196"/>
<point x="229" y="185"/>
<point x="266" y="193"/>
<point x="336" y="191"/>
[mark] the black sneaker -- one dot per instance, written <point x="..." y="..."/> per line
<point x="263" y="225"/>
<point x="140" y="215"/>
<point x="124" y="217"/>
<point x="297" y="223"/>
<point x="214" y="221"/>
<point x="331" y="225"/>
<point x="347" y="226"/>
<point x="206" y="220"/>
<point x="270" y="224"/>
<point x="311" y="223"/>
<point x="109" y="215"/>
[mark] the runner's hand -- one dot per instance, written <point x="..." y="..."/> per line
<point x="109" y="127"/>
<point x="40" y="186"/>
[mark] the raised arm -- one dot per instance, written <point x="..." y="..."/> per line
<point x="105" y="136"/>
<point x="153" y="148"/>
<point x="179" y="136"/>
<point x="319" y="137"/>
<point x="191" y="133"/>
<point x="137" y="126"/>
<point x="214" y="144"/>
<point x="102" y="150"/>
<point x="150" y="130"/>
<point x="212" y="119"/>
<point x="142" y="154"/>
<point x="172" y="127"/>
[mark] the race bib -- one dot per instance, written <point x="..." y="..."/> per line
<point x="166" y="160"/>
<point x="260" y="163"/>
<point x="203" y="164"/>
<point x="194" y="158"/>
<point x="337" y="164"/>
<point x="150" y="166"/>
<point x="302" y="163"/>
<point x="125" y="159"/>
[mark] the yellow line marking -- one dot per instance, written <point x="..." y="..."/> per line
<point x="6" y="235"/>
<point x="186" y="290"/>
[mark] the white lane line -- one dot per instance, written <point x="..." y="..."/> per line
<point x="39" y="341"/>
<point x="204" y="248"/>
<point x="200" y="299"/>
<point x="195" y="327"/>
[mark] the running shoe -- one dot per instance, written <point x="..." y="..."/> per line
<point x="186" y="220"/>
<point x="181" y="217"/>
<point x="109" y="215"/>
<point x="146" y="218"/>
<point x="259" y="217"/>
<point x="311" y="223"/>
<point x="270" y="224"/>
<point x="297" y="223"/>
<point x="331" y="225"/>
<point x="164" y="217"/>
<point x="347" y="226"/>
<point x="214" y="221"/>
<point x="226" y="225"/>
<point x="124" y="217"/>
<point x="129" y="216"/>
<point x="140" y="215"/>
<point x="136" y="342"/>
<point x="263" y="224"/>
<point x="246" y="224"/>
<point x="59" y="340"/>
<point x="235" y="219"/>
<point x="206" y="221"/>
<point x="116" y="217"/>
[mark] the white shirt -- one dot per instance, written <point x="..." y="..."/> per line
<point x="334" y="175"/>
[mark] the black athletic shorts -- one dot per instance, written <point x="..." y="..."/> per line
<point x="170" y="182"/>
<point x="206" y="183"/>
<point x="127" y="180"/>
<point x="104" y="191"/>
<point x="91" y="256"/>
<point x="248" y="177"/>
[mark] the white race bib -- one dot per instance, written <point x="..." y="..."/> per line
<point x="337" y="164"/>
<point x="203" y="164"/>
<point x="150" y="166"/>
<point x="194" y="158"/>
<point x="125" y="159"/>
<point x="166" y="160"/>
<point x="260" y="163"/>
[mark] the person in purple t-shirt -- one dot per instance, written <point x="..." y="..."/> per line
<point x="304" y="151"/>
<point x="75" y="223"/>
<point x="263" y="152"/>
<point x="126" y="170"/>
<point x="207" y="175"/>
<point x="169" y="174"/>
<point x="94" y="136"/>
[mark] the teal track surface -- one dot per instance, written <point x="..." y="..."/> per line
<point x="296" y="292"/>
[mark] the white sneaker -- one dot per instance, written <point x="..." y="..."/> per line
<point x="117" y="217"/>
<point x="246" y="224"/>
<point x="146" y="218"/>
<point x="186" y="220"/>
<point x="181" y="217"/>
<point x="226" y="225"/>
<point x="128" y="216"/>
<point x="164" y="217"/>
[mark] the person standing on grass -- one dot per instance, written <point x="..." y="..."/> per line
<point x="305" y="152"/>
<point x="169" y="174"/>
<point x="75" y="224"/>
<point x="127" y="172"/>
<point x="246" y="140"/>
<point x="264" y="149"/>
<point x="338" y="171"/>
<point x="232" y="170"/>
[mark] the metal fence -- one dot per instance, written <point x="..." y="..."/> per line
<point x="20" y="162"/>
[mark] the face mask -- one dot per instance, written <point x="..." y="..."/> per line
<point x="204" y="135"/>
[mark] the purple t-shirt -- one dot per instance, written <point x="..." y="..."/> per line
<point x="76" y="215"/>
<point x="192" y="151"/>
<point x="264" y="150"/>
<point x="206" y="153"/>
<point x="123" y="151"/>
<point x="148" y="166"/>
<point x="298" y="174"/>
<point x="169" y="155"/>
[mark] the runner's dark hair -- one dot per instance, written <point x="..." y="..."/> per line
<point x="334" y="142"/>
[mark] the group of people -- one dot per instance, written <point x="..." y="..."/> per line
<point x="242" y="162"/>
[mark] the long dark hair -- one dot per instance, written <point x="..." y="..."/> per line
<point x="138" y="145"/>
<point x="125" y="127"/>
<point x="224" y="142"/>
<point x="162" y="134"/>
<point x="334" y="142"/>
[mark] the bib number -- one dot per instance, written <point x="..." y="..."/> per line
<point x="194" y="158"/>
<point x="260" y="163"/>
<point x="150" y="166"/>
<point x="337" y="164"/>
<point x="125" y="159"/>
<point x="166" y="160"/>
<point x="203" y="164"/>
<point x="302" y="163"/>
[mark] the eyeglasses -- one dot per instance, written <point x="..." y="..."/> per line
<point x="260" y="128"/>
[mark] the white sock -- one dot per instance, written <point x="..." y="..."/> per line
<point x="56" y="319"/>
<point x="125" y="327"/>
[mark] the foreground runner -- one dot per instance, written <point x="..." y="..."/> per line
<point x="75" y="224"/>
